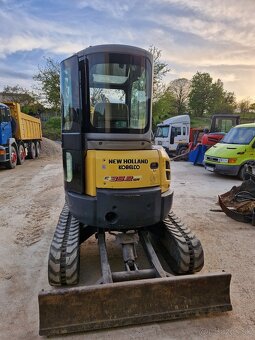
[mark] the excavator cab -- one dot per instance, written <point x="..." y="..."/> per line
<point x="118" y="183"/>
<point x="108" y="155"/>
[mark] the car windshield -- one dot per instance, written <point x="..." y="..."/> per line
<point x="162" y="131"/>
<point x="240" y="135"/>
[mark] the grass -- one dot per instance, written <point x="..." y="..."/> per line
<point x="52" y="128"/>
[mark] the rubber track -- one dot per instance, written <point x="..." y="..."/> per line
<point x="184" y="252"/>
<point x="64" y="256"/>
<point x="195" y="249"/>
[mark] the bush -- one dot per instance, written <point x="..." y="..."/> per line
<point x="52" y="128"/>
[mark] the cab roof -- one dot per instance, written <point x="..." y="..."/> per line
<point x="2" y="105"/>
<point x="245" y="125"/>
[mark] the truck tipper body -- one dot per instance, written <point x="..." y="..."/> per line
<point x="20" y="135"/>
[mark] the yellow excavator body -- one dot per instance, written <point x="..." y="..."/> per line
<point x="126" y="170"/>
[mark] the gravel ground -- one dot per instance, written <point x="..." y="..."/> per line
<point x="32" y="197"/>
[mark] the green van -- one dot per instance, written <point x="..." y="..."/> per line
<point x="230" y="155"/>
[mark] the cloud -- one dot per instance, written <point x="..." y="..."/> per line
<point x="213" y="21"/>
<point x="30" y="32"/>
<point x="214" y="36"/>
<point x="13" y="74"/>
<point x="116" y="8"/>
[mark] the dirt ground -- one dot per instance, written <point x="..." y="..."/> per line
<point x="31" y="199"/>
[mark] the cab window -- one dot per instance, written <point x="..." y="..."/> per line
<point x="4" y="114"/>
<point x="69" y="89"/>
<point x="119" y="90"/>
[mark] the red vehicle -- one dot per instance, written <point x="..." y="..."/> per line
<point x="202" y="140"/>
<point x="220" y="125"/>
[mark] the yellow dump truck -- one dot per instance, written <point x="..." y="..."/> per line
<point x="20" y="135"/>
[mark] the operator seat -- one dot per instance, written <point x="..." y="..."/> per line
<point x="110" y="115"/>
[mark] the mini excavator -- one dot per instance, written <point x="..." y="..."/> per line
<point x="118" y="183"/>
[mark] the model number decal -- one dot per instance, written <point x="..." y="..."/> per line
<point x="122" y="178"/>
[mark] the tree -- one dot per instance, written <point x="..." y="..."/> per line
<point x="180" y="89"/>
<point x="49" y="83"/>
<point x="164" y="107"/>
<point x="162" y="99"/>
<point x="230" y="101"/>
<point x="199" y="97"/>
<point x="221" y="101"/>
<point x="160" y="70"/>
<point x="28" y="100"/>
<point x="252" y="107"/>
<point x="244" y="106"/>
<point x="207" y="98"/>
<point x="216" y="96"/>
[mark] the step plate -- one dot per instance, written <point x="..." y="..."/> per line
<point x="68" y="310"/>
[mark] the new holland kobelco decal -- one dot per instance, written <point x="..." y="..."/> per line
<point x="122" y="178"/>
<point x="128" y="164"/>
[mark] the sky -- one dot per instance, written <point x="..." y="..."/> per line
<point x="216" y="36"/>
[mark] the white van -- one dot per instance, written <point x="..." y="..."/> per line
<point x="173" y="134"/>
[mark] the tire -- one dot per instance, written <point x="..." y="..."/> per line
<point x="32" y="150"/>
<point x="38" y="149"/>
<point x="242" y="172"/>
<point x="182" y="150"/>
<point x="21" y="154"/>
<point x="12" y="162"/>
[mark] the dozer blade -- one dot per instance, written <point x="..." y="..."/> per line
<point x="68" y="310"/>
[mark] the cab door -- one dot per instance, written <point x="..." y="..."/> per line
<point x="176" y="136"/>
<point x="72" y="136"/>
<point x="5" y="126"/>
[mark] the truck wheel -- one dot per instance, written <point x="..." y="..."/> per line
<point x="11" y="164"/>
<point x="21" y="154"/>
<point x="182" y="150"/>
<point x="38" y="149"/>
<point x="32" y="150"/>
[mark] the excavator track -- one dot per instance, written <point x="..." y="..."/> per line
<point x="181" y="249"/>
<point x="64" y="256"/>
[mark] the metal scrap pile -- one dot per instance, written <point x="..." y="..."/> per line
<point x="239" y="202"/>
